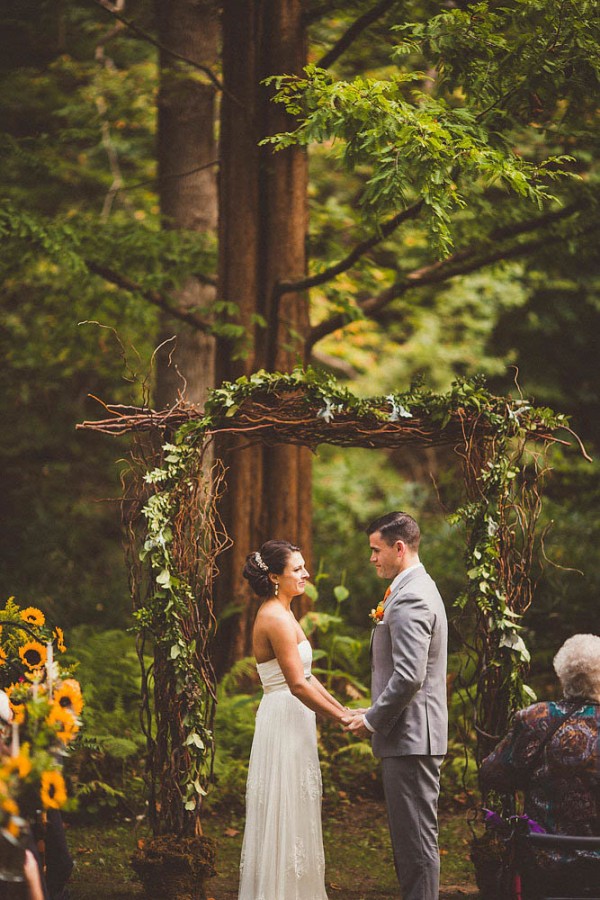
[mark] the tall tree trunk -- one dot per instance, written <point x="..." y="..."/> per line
<point x="262" y="232"/>
<point x="188" y="199"/>
<point x="187" y="168"/>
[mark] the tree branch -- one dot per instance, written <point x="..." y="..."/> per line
<point x="151" y="40"/>
<point x="153" y="297"/>
<point x="459" y="264"/>
<point x="357" y="27"/>
<point x="291" y="287"/>
<point x="162" y="178"/>
<point x="502" y="234"/>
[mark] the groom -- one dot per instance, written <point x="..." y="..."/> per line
<point x="408" y="718"/>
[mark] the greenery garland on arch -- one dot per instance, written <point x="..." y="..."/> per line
<point x="502" y="444"/>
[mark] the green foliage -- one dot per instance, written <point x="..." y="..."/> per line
<point x="238" y="698"/>
<point x="173" y="612"/>
<point x="525" y="61"/>
<point x="108" y="765"/>
<point x="342" y="659"/>
<point x="568" y="578"/>
<point x="421" y="147"/>
<point x="352" y="487"/>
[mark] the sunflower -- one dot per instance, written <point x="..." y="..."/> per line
<point x="18" y="713"/>
<point x="33" y="616"/>
<point x="53" y="791"/>
<point x="17" y="705"/>
<point x="21" y="764"/>
<point x="3" y="655"/>
<point x="66" y="720"/>
<point x="9" y="806"/>
<point x="33" y="654"/>
<point x="36" y="676"/>
<point x="60" y="639"/>
<point x="13" y="828"/>
<point x="68" y="695"/>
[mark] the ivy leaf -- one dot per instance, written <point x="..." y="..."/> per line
<point x="515" y="643"/>
<point x="341" y="593"/>
<point x="164" y="578"/>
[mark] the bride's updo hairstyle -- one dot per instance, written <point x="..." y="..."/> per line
<point x="272" y="558"/>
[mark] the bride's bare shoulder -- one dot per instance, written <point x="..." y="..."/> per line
<point x="271" y="615"/>
<point x="273" y="620"/>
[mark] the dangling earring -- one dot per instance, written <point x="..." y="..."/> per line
<point x="277" y="589"/>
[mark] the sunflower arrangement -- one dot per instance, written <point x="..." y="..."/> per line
<point x="40" y="716"/>
<point x="25" y="639"/>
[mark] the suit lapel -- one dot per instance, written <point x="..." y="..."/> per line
<point x="402" y="582"/>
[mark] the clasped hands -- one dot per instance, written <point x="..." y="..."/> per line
<point x="353" y="722"/>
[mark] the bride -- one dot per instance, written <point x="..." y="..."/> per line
<point x="282" y="853"/>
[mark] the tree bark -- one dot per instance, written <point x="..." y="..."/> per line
<point x="262" y="231"/>
<point x="188" y="193"/>
<point x="186" y="363"/>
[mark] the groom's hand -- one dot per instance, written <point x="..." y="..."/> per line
<point x="358" y="728"/>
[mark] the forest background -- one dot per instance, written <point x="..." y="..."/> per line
<point x="139" y="211"/>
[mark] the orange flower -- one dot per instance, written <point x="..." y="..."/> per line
<point x="18" y="713"/>
<point x="53" y="790"/>
<point x="9" y="806"/>
<point x="68" y="695"/>
<point x="20" y="764"/>
<point x="60" y="639"/>
<point x="17" y="705"/>
<point x="33" y="616"/>
<point x="3" y="656"/>
<point x="66" y="721"/>
<point x="33" y="654"/>
<point x="377" y="614"/>
<point x="13" y="828"/>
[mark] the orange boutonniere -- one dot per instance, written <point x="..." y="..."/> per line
<point x="377" y="614"/>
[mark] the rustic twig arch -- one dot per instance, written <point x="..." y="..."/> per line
<point x="502" y="444"/>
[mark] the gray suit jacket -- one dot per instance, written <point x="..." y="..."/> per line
<point x="408" y="671"/>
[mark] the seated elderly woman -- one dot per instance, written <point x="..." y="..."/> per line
<point x="552" y="755"/>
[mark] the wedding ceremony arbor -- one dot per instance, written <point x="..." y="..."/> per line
<point x="175" y="537"/>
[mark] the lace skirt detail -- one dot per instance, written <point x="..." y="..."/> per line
<point x="282" y="852"/>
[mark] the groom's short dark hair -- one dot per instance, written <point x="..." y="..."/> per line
<point x="397" y="526"/>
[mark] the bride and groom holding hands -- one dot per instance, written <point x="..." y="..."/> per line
<point x="282" y="852"/>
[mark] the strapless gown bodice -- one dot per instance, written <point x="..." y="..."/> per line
<point x="271" y="676"/>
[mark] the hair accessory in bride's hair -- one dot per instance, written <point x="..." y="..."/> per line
<point x="260" y="562"/>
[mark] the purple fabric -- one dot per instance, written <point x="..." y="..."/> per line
<point x="493" y="820"/>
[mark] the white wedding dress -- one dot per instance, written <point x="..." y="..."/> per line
<point x="282" y="853"/>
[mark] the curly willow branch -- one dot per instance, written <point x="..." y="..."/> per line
<point x="177" y="622"/>
<point x="503" y="477"/>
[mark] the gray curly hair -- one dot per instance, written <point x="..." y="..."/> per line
<point x="577" y="665"/>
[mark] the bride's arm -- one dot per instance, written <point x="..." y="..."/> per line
<point x="325" y="693"/>
<point x="283" y="638"/>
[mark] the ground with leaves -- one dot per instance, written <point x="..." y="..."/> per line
<point x="359" y="861"/>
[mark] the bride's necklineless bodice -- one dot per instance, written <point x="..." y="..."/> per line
<point x="271" y="676"/>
